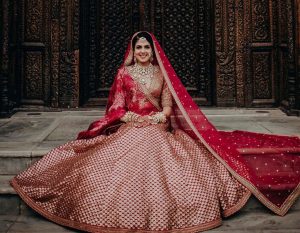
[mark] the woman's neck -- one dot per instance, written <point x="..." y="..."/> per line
<point x="145" y="64"/>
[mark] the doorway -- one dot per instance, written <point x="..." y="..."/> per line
<point x="184" y="29"/>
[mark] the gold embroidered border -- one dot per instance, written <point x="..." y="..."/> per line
<point x="278" y="210"/>
<point x="238" y="206"/>
<point x="94" y="228"/>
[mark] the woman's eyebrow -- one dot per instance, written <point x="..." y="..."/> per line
<point x="145" y="46"/>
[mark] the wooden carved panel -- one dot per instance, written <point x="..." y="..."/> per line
<point x="33" y="20"/>
<point x="33" y="84"/>
<point x="34" y="58"/>
<point x="262" y="90"/>
<point x="29" y="56"/>
<point x="55" y="50"/>
<point x="262" y="75"/>
<point x="242" y="55"/>
<point x="69" y="81"/>
<point x="69" y="53"/>
<point x="261" y="24"/>
<point x="283" y="20"/>
<point x="272" y="53"/>
<point x="225" y="39"/>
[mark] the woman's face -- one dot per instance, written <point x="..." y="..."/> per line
<point x="142" y="52"/>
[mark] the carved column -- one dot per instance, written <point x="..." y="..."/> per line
<point x="287" y="34"/>
<point x="297" y="53"/>
<point x="55" y="52"/>
<point x="225" y="49"/>
<point x="291" y="55"/>
<point x="241" y="59"/>
<point x="69" y="53"/>
<point x="5" y="102"/>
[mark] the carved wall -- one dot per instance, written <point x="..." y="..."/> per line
<point x="255" y="45"/>
<point x="64" y="53"/>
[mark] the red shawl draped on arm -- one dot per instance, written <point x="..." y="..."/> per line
<point x="268" y="165"/>
<point x="115" y="109"/>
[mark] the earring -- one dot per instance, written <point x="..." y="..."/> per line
<point x="134" y="59"/>
<point x="151" y="58"/>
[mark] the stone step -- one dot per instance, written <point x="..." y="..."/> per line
<point x="11" y="203"/>
<point x="17" y="156"/>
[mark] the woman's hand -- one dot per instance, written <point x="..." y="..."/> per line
<point x="142" y="121"/>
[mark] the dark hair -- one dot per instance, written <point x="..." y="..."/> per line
<point x="142" y="34"/>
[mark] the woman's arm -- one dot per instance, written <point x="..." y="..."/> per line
<point x="167" y="111"/>
<point x="166" y="102"/>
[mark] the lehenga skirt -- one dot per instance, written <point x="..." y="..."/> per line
<point x="147" y="179"/>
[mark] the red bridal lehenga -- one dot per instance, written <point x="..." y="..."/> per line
<point x="180" y="176"/>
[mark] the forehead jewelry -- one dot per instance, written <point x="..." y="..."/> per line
<point x="142" y="38"/>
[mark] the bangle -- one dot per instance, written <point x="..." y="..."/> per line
<point x="159" y="117"/>
<point x="131" y="117"/>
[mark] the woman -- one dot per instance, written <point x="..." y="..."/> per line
<point x="154" y="163"/>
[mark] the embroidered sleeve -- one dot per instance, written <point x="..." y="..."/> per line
<point x="166" y="96"/>
<point x="117" y="95"/>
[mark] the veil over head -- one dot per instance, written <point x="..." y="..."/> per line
<point x="268" y="165"/>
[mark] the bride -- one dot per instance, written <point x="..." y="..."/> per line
<point x="154" y="163"/>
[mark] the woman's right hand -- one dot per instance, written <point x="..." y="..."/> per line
<point x="142" y="121"/>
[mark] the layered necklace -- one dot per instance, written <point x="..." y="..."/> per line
<point x="142" y="74"/>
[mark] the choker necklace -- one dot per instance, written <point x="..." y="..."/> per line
<point x="143" y="70"/>
<point x="141" y="73"/>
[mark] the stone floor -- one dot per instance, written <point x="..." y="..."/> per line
<point x="32" y="134"/>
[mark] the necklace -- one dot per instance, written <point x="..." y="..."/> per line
<point x="142" y="74"/>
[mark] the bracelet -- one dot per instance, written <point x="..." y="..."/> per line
<point x="159" y="117"/>
<point x="131" y="117"/>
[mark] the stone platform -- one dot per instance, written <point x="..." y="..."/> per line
<point x="27" y="136"/>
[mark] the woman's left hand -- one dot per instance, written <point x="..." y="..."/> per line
<point x="142" y="121"/>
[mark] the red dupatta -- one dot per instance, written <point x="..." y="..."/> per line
<point x="268" y="165"/>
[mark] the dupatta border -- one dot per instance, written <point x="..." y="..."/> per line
<point x="278" y="210"/>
